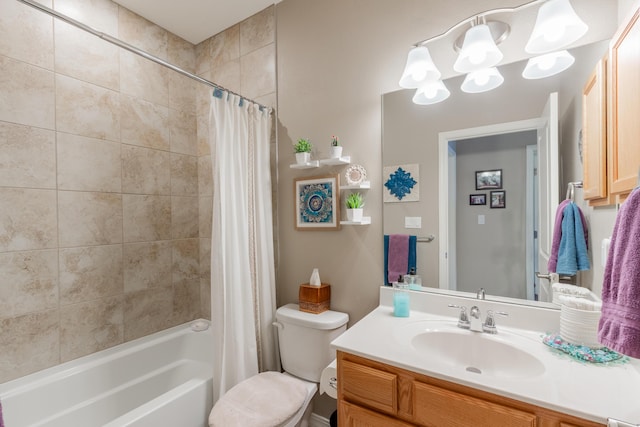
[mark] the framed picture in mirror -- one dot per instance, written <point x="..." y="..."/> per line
<point x="490" y="179"/>
<point x="498" y="199"/>
<point x="477" y="199"/>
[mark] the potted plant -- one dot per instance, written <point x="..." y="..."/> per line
<point x="336" y="148"/>
<point x="303" y="151"/>
<point x="355" y="203"/>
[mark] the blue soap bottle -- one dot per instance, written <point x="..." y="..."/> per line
<point x="400" y="298"/>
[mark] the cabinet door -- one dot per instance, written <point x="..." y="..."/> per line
<point x="354" y="416"/>
<point x="594" y="137"/>
<point x="369" y="386"/>
<point x="625" y="105"/>
<point x="438" y="407"/>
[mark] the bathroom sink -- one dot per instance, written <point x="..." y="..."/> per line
<point x="501" y="356"/>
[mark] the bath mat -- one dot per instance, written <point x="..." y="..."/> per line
<point x="581" y="352"/>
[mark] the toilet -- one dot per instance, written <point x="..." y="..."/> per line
<point x="274" y="399"/>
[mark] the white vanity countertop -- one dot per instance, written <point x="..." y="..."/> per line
<point x="594" y="392"/>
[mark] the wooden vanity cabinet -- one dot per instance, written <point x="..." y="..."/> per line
<point x="374" y="394"/>
<point x="625" y="106"/>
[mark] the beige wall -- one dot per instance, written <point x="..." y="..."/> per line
<point x="105" y="176"/>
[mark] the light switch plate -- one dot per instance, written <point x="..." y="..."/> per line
<point x="481" y="219"/>
<point x="412" y="222"/>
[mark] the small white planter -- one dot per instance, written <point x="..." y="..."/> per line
<point x="303" y="158"/>
<point x="336" y="151"/>
<point x="355" y="215"/>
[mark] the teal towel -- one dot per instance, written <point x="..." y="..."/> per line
<point x="572" y="253"/>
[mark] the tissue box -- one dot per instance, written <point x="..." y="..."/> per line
<point x="314" y="299"/>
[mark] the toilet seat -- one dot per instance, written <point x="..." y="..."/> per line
<point x="269" y="399"/>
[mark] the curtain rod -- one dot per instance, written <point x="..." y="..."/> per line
<point x="129" y="47"/>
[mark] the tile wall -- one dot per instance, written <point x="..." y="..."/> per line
<point x="105" y="177"/>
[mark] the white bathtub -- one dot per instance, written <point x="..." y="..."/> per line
<point x="164" y="379"/>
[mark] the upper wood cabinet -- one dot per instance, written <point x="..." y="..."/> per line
<point x="624" y="66"/>
<point x="594" y="137"/>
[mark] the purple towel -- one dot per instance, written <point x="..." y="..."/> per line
<point x="557" y="235"/>
<point x="619" y="327"/>
<point x="398" y="256"/>
<point x="1" y="419"/>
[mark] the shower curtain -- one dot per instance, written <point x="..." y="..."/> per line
<point x="242" y="258"/>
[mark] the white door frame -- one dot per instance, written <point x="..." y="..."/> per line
<point x="447" y="223"/>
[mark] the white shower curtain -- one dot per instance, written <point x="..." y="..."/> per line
<point x="242" y="259"/>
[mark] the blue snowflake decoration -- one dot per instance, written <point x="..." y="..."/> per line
<point x="400" y="183"/>
<point x="316" y="203"/>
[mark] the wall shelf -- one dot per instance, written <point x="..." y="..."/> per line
<point x="366" y="220"/>
<point x="310" y="165"/>
<point x="344" y="160"/>
<point x="364" y="185"/>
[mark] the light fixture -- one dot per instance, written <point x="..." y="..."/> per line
<point x="419" y="68"/>
<point x="548" y="65"/>
<point x="479" y="50"/>
<point x="431" y="93"/>
<point x="557" y="26"/>
<point x="482" y="80"/>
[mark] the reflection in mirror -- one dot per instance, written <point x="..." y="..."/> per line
<point x="491" y="241"/>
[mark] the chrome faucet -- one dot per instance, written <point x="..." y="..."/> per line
<point x="480" y="294"/>
<point x="476" y="322"/>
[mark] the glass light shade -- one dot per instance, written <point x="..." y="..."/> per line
<point x="548" y="65"/>
<point x="431" y="93"/>
<point x="482" y="80"/>
<point x="479" y="50"/>
<point x="557" y="26"/>
<point x="419" y="69"/>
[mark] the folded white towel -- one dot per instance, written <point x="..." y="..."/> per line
<point x="580" y="303"/>
<point x="567" y="289"/>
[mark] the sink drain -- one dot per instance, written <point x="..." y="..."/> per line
<point x="472" y="369"/>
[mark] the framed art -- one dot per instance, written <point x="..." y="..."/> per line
<point x="317" y="203"/>
<point x="498" y="199"/>
<point x="491" y="179"/>
<point x="477" y="199"/>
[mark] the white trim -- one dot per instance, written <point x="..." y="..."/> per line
<point x="443" y="176"/>
<point x="317" y="421"/>
<point x="530" y="204"/>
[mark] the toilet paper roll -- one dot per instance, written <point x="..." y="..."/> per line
<point x="329" y="380"/>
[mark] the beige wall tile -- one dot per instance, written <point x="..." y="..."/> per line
<point x="205" y="298"/>
<point x="224" y="47"/>
<point x="205" y="278"/>
<point x="257" y="31"/>
<point x="29" y="282"/>
<point x="27" y="156"/>
<point x="144" y="123"/>
<point x="184" y="217"/>
<point x="186" y="257"/>
<point x="27" y="219"/>
<point x="205" y="258"/>
<point x="86" y="109"/>
<point x="146" y="312"/>
<point x="203" y="55"/>
<point x="145" y="171"/>
<point x="28" y="95"/>
<point x="228" y="75"/>
<point x="258" y="72"/>
<point x="202" y="122"/>
<point x="203" y="97"/>
<point x="184" y="175"/>
<point x="86" y="57"/>
<point x="27" y="34"/>
<point x="147" y="265"/>
<point x="88" y="164"/>
<point x="146" y="218"/>
<point x="142" y="33"/>
<point x="183" y="132"/>
<point x="182" y="93"/>
<point x="89" y="218"/>
<point x="90" y="273"/>
<point x="29" y="343"/>
<point x="99" y="14"/>
<point x="181" y="53"/>
<point x="186" y="301"/>
<point x="205" y="216"/>
<point x="205" y="177"/>
<point x="144" y="79"/>
<point x="90" y="326"/>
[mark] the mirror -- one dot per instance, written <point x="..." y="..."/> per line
<point x="492" y="251"/>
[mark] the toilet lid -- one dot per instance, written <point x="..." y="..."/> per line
<point x="264" y="400"/>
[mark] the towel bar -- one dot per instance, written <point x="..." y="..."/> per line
<point x="428" y="239"/>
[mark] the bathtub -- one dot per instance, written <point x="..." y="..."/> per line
<point x="164" y="379"/>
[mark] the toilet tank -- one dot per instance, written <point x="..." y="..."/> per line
<point x="305" y="340"/>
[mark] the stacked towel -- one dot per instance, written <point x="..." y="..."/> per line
<point x="619" y="327"/>
<point x="580" y="303"/>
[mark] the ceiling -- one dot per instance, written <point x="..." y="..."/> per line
<point x="195" y="20"/>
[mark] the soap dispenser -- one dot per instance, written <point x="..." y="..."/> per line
<point x="400" y="298"/>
